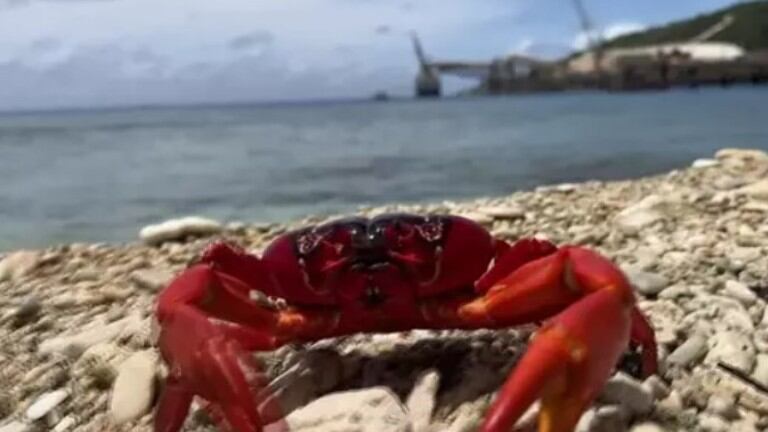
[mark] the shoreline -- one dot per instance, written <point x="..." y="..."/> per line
<point x="238" y="227"/>
<point x="693" y="241"/>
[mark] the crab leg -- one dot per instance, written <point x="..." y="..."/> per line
<point x="575" y="352"/>
<point x="209" y="326"/>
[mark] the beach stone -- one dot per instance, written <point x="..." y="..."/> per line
<point x="97" y="366"/>
<point x="704" y="163"/>
<point x="561" y="187"/>
<point x="585" y="421"/>
<point x="671" y="406"/>
<point x="744" y="426"/>
<point x="733" y="348"/>
<point x="75" y="344"/>
<point x="740" y="292"/>
<point x="751" y="155"/>
<point x="760" y="373"/>
<point x="178" y="229"/>
<point x="236" y="226"/>
<point x="723" y="405"/>
<point x="714" y="380"/>
<point x="656" y="386"/>
<point x="665" y="316"/>
<point x="641" y="214"/>
<point x="18" y="264"/>
<point x="755" y="206"/>
<point x="718" y="313"/>
<point x="610" y="418"/>
<point x="468" y="418"/>
<point x="726" y="183"/>
<point x="712" y="423"/>
<point x="65" y="424"/>
<point x="133" y="390"/>
<point x="367" y="410"/>
<point x="757" y="190"/>
<point x="744" y="254"/>
<point x="17" y="426"/>
<point x="8" y="402"/>
<point x="760" y="338"/>
<point x="646" y="283"/>
<point x="693" y="349"/>
<point x="27" y="311"/>
<point x="504" y="212"/>
<point x="152" y="280"/>
<point x="621" y="389"/>
<point x="647" y="426"/>
<point x="421" y="400"/>
<point x="675" y="292"/>
<point x="45" y="403"/>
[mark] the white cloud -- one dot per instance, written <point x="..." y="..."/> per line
<point x="612" y="31"/>
<point x="522" y="47"/>
<point x="102" y="52"/>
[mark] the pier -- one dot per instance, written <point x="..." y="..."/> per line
<point x="705" y="58"/>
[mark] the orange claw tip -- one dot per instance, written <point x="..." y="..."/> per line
<point x="476" y="312"/>
<point x="569" y="360"/>
<point x="560" y="414"/>
<point x="542" y="370"/>
<point x="552" y="370"/>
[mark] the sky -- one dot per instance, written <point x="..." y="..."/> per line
<point x="90" y="53"/>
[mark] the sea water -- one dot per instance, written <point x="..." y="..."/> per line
<point x="99" y="175"/>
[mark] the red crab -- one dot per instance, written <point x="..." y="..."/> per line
<point x="394" y="273"/>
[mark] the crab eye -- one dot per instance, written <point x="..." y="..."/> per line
<point x="307" y="242"/>
<point x="430" y="230"/>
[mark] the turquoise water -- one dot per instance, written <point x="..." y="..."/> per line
<point x="100" y="176"/>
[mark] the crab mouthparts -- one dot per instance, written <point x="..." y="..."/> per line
<point x="373" y="296"/>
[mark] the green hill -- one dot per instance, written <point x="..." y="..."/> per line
<point x="749" y="28"/>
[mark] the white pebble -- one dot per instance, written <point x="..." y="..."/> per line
<point x="177" y="229"/>
<point x="16" y="426"/>
<point x="656" y="386"/>
<point x="733" y="348"/>
<point x="704" y="163"/>
<point x="740" y="292"/>
<point x="610" y="418"/>
<point x="647" y="427"/>
<point x="647" y="283"/>
<point x="45" y="403"/>
<point x="65" y="424"/>
<point x="712" y="423"/>
<point x="723" y="405"/>
<point x="134" y="387"/>
<point x="689" y="351"/>
<point x="629" y="393"/>
<point x="421" y="401"/>
<point x="761" y="369"/>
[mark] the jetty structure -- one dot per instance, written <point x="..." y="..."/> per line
<point x="428" y="77"/>
<point x="725" y="47"/>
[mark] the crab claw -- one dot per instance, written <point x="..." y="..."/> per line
<point x="590" y="318"/>
<point x="567" y="364"/>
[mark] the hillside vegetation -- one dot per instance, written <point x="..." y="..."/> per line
<point x="749" y="28"/>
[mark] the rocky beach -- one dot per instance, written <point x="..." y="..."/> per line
<point x="76" y="329"/>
